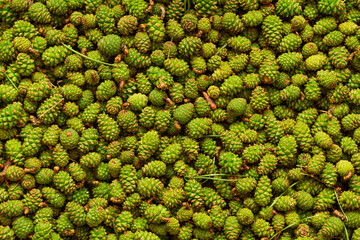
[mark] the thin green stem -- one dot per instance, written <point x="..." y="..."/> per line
<point x="89" y="58"/>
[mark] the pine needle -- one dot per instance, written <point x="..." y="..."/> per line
<point x="206" y="136"/>
<point x="216" y="179"/>
<point x="337" y="199"/>
<point x="216" y="174"/>
<point x="89" y="58"/>
<point x="289" y="226"/>
<point x="346" y="232"/>
<point x="12" y="83"/>
<point x="283" y="193"/>
<point x="211" y="177"/>
<point x="187" y="4"/>
<point x="224" y="46"/>
<point x="50" y="108"/>
<point x="168" y="56"/>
